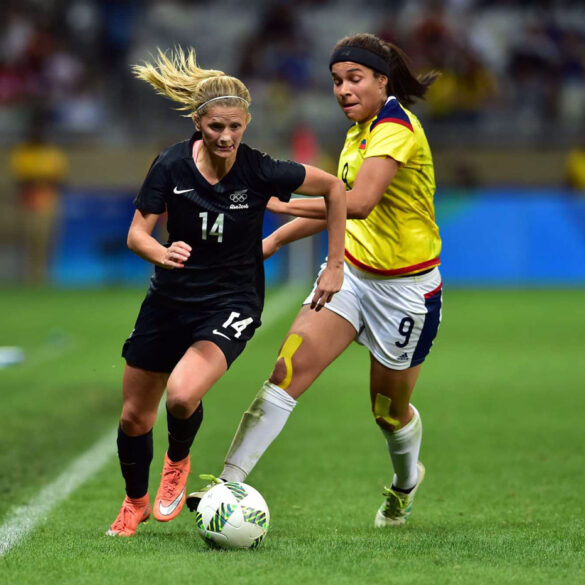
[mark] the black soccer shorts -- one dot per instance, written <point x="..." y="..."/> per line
<point x="162" y="334"/>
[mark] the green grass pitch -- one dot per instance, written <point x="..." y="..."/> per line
<point x="502" y="400"/>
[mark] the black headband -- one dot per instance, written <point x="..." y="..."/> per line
<point x="361" y="56"/>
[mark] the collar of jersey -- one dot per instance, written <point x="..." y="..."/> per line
<point x="195" y="136"/>
<point x="363" y="125"/>
<point x="189" y="157"/>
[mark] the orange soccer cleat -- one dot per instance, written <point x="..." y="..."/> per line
<point x="170" y="497"/>
<point x="131" y="514"/>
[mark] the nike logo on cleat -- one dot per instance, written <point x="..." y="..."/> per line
<point x="216" y="332"/>
<point x="167" y="510"/>
<point x="178" y="191"/>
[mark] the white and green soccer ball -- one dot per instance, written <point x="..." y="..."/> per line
<point x="232" y="515"/>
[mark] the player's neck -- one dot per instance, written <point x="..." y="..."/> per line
<point x="213" y="168"/>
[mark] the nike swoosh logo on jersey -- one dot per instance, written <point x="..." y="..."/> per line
<point x="178" y="191"/>
<point x="216" y="332"/>
<point x="167" y="510"/>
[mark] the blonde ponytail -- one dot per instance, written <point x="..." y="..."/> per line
<point x="179" y="78"/>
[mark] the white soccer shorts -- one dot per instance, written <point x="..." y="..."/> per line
<point x="397" y="319"/>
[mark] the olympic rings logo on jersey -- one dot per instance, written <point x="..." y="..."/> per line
<point x="239" y="196"/>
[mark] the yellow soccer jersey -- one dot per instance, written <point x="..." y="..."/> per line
<point x="400" y="235"/>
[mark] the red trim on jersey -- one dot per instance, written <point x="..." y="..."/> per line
<point x="397" y="271"/>
<point x="434" y="292"/>
<point x="396" y="121"/>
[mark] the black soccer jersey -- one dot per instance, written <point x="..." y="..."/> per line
<point x="222" y="223"/>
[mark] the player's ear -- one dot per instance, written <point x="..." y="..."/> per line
<point x="197" y="122"/>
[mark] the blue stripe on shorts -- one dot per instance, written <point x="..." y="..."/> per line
<point x="430" y="328"/>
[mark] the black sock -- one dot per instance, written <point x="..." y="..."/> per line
<point x="403" y="491"/>
<point x="135" y="454"/>
<point x="182" y="433"/>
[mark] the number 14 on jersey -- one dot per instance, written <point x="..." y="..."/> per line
<point x="216" y="229"/>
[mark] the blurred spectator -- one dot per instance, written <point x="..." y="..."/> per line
<point x="278" y="49"/>
<point x="463" y="91"/>
<point x="572" y="45"/>
<point x="81" y="111"/>
<point x="575" y="168"/>
<point x="513" y="67"/>
<point x="534" y="67"/>
<point x="431" y="41"/>
<point x="82" y="18"/>
<point x="38" y="169"/>
<point x="388" y="30"/>
<point x="118" y="18"/>
<point x="304" y="145"/>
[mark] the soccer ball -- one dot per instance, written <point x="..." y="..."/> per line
<point x="232" y="515"/>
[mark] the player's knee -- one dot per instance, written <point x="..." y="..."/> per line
<point x="386" y="424"/>
<point x="384" y="415"/>
<point x="134" y="423"/>
<point x="290" y="362"/>
<point x="278" y="373"/>
<point x="181" y="406"/>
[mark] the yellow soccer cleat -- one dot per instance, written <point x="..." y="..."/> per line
<point x="398" y="505"/>
<point x="194" y="498"/>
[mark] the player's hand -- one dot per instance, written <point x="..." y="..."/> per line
<point x="276" y="205"/>
<point x="269" y="246"/>
<point x="176" y="255"/>
<point x="328" y="284"/>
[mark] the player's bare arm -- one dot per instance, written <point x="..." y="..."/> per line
<point x="291" y="232"/>
<point x="318" y="182"/>
<point x="143" y="244"/>
<point x="372" y="180"/>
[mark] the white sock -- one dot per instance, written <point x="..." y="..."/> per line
<point x="404" y="447"/>
<point x="260" y="425"/>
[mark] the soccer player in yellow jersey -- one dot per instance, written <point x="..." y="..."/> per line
<point x="390" y="301"/>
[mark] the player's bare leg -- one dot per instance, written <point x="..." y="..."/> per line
<point x="390" y="393"/>
<point x="184" y="389"/>
<point x="314" y="340"/>
<point x="197" y="371"/>
<point x="141" y="391"/>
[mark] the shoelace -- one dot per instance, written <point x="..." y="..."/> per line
<point x="171" y="477"/>
<point x="126" y="513"/>
<point x="210" y="478"/>
<point x="393" y="500"/>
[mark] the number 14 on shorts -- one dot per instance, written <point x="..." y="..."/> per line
<point x="239" y="326"/>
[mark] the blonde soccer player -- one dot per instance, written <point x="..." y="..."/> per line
<point x="391" y="297"/>
<point x="206" y="296"/>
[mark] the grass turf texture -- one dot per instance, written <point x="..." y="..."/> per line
<point x="501" y="398"/>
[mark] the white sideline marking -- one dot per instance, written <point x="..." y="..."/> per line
<point x="23" y="519"/>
